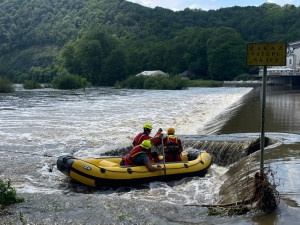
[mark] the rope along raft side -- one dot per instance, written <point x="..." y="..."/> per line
<point x="103" y="172"/>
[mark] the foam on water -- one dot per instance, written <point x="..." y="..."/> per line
<point x="185" y="191"/>
<point x="112" y="117"/>
<point x="38" y="126"/>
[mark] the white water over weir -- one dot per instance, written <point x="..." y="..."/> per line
<point x="225" y="149"/>
<point x="37" y="126"/>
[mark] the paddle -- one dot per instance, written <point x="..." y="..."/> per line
<point x="164" y="158"/>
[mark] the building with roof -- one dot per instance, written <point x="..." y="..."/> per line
<point x="293" y="56"/>
<point x="152" y="73"/>
<point x="292" y="63"/>
<point x="289" y="74"/>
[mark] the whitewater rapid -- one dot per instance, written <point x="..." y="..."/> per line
<point x="37" y="126"/>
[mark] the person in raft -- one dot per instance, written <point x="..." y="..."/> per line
<point x="146" y="136"/>
<point x="172" y="146"/>
<point x="140" y="155"/>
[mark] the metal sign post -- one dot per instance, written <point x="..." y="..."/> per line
<point x="263" y="109"/>
<point x="265" y="54"/>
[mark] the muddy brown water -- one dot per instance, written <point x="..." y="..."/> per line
<point x="77" y="204"/>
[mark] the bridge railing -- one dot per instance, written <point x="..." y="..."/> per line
<point x="280" y="73"/>
<point x="242" y="82"/>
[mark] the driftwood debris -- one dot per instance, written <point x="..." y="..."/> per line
<point x="264" y="197"/>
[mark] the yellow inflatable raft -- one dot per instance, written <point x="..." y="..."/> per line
<point x="100" y="172"/>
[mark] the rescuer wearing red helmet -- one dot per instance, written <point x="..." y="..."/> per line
<point x="172" y="146"/>
<point x="140" y="155"/>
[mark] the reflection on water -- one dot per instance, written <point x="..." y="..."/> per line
<point x="284" y="109"/>
<point x="282" y="112"/>
<point x="282" y="123"/>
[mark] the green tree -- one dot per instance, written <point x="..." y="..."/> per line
<point x="115" y="67"/>
<point x="174" y="57"/>
<point x="97" y="57"/>
<point x="33" y="32"/>
<point x="65" y="80"/>
<point x="196" y="54"/>
<point x="5" y="85"/>
<point x="31" y="84"/>
<point x="226" y="54"/>
<point x="88" y="57"/>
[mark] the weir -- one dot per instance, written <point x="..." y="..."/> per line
<point x="225" y="153"/>
<point x="224" y="149"/>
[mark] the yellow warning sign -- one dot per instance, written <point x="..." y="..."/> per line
<point x="266" y="54"/>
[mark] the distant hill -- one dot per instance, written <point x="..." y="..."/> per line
<point x="33" y="32"/>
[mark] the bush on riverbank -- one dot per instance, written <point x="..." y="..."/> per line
<point x="65" y="80"/>
<point x="8" y="194"/>
<point x="245" y="77"/>
<point x="205" y="83"/>
<point x="31" y="84"/>
<point x="158" y="82"/>
<point x="5" y="85"/>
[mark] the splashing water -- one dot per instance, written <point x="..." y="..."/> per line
<point x="38" y="126"/>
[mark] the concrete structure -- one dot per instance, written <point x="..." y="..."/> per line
<point x="152" y="73"/>
<point x="242" y="83"/>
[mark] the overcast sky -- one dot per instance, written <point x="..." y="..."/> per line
<point x="208" y="4"/>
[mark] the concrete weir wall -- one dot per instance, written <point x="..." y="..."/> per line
<point x="225" y="150"/>
<point x="293" y="80"/>
<point x="228" y="150"/>
<point x="249" y="83"/>
<point x="225" y="153"/>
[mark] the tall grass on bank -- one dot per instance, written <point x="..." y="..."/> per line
<point x="159" y="82"/>
<point x="8" y="194"/>
<point x="31" y="84"/>
<point x="205" y="83"/>
<point x="5" y="85"/>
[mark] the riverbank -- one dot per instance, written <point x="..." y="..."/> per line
<point x="204" y="83"/>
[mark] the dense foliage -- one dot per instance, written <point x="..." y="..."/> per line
<point x="204" y="83"/>
<point x="65" y="80"/>
<point x="108" y="40"/>
<point x="159" y="82"/>
<point x="8" y="194"/>
<point x="31" y="84"/>
<point x="97" y="56"/>
<point x="5" y="85"/>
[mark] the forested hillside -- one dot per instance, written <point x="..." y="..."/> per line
<point x="107" y="40"/>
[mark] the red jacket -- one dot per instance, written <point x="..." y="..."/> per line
<point x="142" y="137"/>
<point x="133" y="154"/>
<point x="172" y="144"/>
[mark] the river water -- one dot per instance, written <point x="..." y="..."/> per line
<point x="37" y="126"/>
